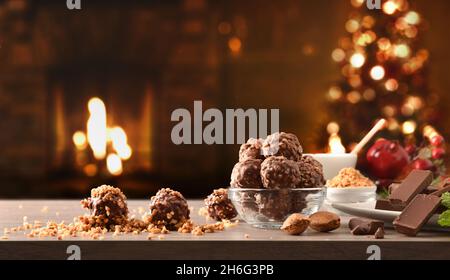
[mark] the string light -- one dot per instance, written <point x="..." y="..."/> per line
<point x="409" y="127"/>
<point x="391" y="85"/>
<point x="354" y="97"/>
<point x="377" y="72"/>
<point x="357" y="60"/>
<point x="390" y="7"/>
<point x="335" y="93"/>
<point x="402" y="50"/>
<point x="338" y="55"/>
<point x="412" y="18"/>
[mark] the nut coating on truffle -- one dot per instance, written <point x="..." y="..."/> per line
<point x="311" y="173"/>
<point x="168" y="208"/>
<point x="282" y="144"/>
<point x="219" y="206"/>
<point x="108" y="204"/>
<point x="251" y="150"/>
<point x="279" y="172"/>
<point x="247" y="174"/>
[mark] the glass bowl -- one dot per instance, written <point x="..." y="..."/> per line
<point x="268" y="208"/>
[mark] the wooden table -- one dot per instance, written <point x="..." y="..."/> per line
<point x="242" y="242"/>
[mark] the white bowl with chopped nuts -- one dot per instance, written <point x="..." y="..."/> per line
<point x="350" y="186"/>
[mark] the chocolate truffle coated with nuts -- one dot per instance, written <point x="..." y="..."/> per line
<point x="311" y="173"/>
<point x="247" y="174"/>
<point x="251" y="150"/>
<point x="282" y="144"/>
<point x="108" y="205"/>
<point x="219" y="206"/>
<point x="168" y="208"/>
<point x="279" y="172"/>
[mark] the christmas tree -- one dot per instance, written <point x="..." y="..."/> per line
<point x="383" y="72"/>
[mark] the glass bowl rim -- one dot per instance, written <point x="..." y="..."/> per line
<point x="233" y="189"/>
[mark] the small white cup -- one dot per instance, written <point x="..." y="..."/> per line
<point x="333" y="163"/>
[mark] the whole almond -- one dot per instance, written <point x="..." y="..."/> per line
<point x="324" y="221"/>
<point x="295" y="224"/>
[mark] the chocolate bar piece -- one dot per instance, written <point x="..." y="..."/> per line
<point x="384" y="204"/>
<point x="416" y="214"/>
<point x="442" y="188"/>
<point x="360" y="226"/>
<point x="392" y="187"/>
<point x="414" y="183"/>
<point x="379" y="234"/>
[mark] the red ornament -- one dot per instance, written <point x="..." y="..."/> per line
<point x="387" y="159"/>
<point x="437" y="153"/>
<point x="411" y="149"/>
<point x="422" y="164"/>
<point x="437" y="140"/>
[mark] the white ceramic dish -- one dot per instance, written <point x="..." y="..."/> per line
<point x="366" y="210"/>
<point x="333" y="163"/>
<point x="351" y="194"/>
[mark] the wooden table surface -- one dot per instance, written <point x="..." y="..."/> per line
<point x="240" y="242"/>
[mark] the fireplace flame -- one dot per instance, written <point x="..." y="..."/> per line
<point x="97" y="128"/>
<point x="110" y="143"/>
<point x="114" y="164"/>
<point x="335" y="144"/>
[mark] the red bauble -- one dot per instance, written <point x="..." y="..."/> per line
<point x="387" y="159"/>
<point x="422" y="164"/>
<point x="437" y="140"/>
<point x="411" y="149"/>
<point x="437" y="153"/>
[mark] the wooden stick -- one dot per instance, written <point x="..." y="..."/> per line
<point x="377" y="127"/>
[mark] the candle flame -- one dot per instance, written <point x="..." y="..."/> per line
<point x="114" y="164"/>
<point x="335" y="144"/>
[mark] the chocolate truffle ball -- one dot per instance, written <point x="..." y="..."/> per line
<point x="274" y="205"/>
<point x="251" y="150"/>
<point x="246" y="174"/>
<point x="283" y="144"/>
<point x="108" y="205"/>
<point x="219" y="206"/>
<point x="311" y="173"/>
<point x="168" y="208"/>
<point x="279" y="173"/>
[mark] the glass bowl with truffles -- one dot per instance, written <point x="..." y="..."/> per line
<point x="273" y="179"/>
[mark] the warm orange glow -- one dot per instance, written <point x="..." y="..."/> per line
<point x="409" y="127"/>
<point x="80" y="140"/>
<point x="377" y="73"/>
<point x="390" y="7"/>
<point x="118" y="138"/>
<point x="114" y="164"/>
<point x="102" y="140"/>
<point x="357" y="60"/>
<point x="235" y="45"/>
<point x="430" y="132"/>
<point x="335" y="144"/>
<point x="96" y="127"/>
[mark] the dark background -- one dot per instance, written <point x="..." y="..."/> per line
<point x="147" y="58"/>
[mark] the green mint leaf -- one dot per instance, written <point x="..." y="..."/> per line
<point x="446" y="199"/>
<point x="444" y="219"/>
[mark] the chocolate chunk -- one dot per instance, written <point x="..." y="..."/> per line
<point x="442" y="188"/>
<point x="416" y="214"/>
<point x="392" y="187"/>
<point x="219" y="206"/>
<point x="379" y="234"/>
<point x="168" y="208"/>
<point x="414" y="183"/>
<point x="384" y="204"/>
<point x="359" y="226"/>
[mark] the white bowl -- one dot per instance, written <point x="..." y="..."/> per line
<point x="333" y="163"/>
<point x="351" y="194"/>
